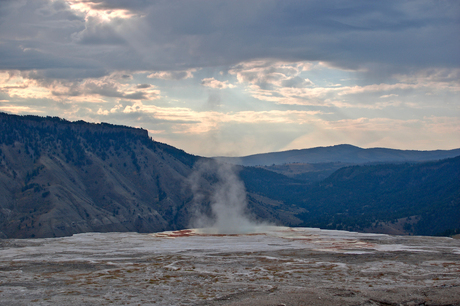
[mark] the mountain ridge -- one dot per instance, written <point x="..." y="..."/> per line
<point x="344" y="153"/>
<point x="58" y="178"/>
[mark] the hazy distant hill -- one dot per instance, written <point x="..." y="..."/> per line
<point x="340" y="153"/>
<point x="58" y="178"/>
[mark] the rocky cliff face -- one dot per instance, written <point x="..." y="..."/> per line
<point x="58" y="178"/>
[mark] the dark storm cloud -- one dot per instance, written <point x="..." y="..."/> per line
<point x="177" y="35"/>
<point x="345" y="33"/>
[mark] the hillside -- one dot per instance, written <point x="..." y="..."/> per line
<point x="340" y="153"/>
<point x="410" y="198"/>
<point x="58" y="178"/>
<point x="308" y="172"/>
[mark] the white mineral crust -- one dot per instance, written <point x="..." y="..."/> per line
<point x="269" y="266"/>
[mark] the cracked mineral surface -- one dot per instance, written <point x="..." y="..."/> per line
<point x="272" y="266"/>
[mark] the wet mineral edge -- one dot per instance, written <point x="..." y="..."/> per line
<point x="271" y="266"/>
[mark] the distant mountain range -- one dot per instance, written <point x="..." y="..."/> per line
<point x="343" y="153"/>
<point x="59" y="178"/>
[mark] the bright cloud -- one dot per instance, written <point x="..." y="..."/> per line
<point x="32" y="85"/>
<point x="281" y="83"/>
<point x="264" y="74"/>
<point x="213" y="83"/>
<point x="172" y="75"/>
<point x="96" y="9"/>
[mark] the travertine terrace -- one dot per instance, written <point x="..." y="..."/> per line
<point x="271" y="266"/>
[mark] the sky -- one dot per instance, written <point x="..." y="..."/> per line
<point x="233" y="78"/>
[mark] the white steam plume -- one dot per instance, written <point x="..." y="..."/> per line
<point x="228" y="201"/>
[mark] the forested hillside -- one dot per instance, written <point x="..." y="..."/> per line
<point x="426" y="196"/>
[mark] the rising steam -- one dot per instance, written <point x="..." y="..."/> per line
<point x="227" y="212"/>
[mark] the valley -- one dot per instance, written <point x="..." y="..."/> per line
<point x="59" y="178"/>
